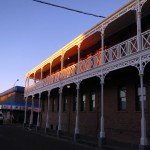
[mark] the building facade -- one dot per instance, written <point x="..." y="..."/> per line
<point x="12" y="104"/>
<point x="98" y="85"/>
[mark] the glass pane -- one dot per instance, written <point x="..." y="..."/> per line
<point x="94" y="104"/>
<point x="123" y="105"/>
<point x="93" y="96"/>
<point x="84" y="97"/>
<point x="123" y="99"/>
<point x="122" y="93"/>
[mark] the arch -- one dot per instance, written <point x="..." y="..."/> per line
<point x="56" y="65"/>
<point x="145" y="9"/>
<point x="71" y="56"/>
<point x="90" y="45"/>
<point x="123" y="71"/>
<point x="146" y="24"/>
<point x="116" y="31"/>
<point x="31" y="79"/>
<point x="38" y="75"/>
<point x="46" y="70"/>
<point x="147" y="69"/>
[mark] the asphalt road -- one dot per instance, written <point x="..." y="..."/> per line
<point x="17" y="138"/>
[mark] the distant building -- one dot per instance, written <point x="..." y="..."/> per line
<point x="13" y="105"/>
<point x="98" y="85"/>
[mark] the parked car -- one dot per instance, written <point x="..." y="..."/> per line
<point x="1" y="118"/>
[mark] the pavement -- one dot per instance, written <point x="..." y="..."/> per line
<point x="82" y="141"/>
<point x="85" y="143"/>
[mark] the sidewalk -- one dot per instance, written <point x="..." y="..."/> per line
<point x="84" y="141"/>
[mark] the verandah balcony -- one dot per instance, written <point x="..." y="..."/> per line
<point x="123" y="49"/>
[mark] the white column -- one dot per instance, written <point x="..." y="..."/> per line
<point x="143" y="139"/>
<point x="31" y="115"/>
<point x="102" y="45"/>
<point x="59" y="118"/>
<point x="48" y="109"/>
<point x="38" y="117"/>
<point x="102" y="132"/>
<point x="28" y="81"/>
<point x="25" y="111"/>
<point x="78" y="69"/>
<point x="77" y="114"/>
<point x="138" y="18"/>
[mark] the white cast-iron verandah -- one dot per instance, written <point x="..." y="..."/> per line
<point x="132" y="52"/>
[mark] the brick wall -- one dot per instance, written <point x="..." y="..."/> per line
<point x="119" y="125"/>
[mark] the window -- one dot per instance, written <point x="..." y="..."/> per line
<point x="122" y="98"/>
<point x="53" y="104"/>
<point x="83" y="101"/>
<point x="92" y="101"/>
<point x="138" y="99"/>
<point x="74" y="103"/>
<point x="64" y="103"/>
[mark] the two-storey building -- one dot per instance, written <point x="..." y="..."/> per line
<point x="98" y="85"/>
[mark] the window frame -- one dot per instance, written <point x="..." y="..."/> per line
<point x="122" y="90"/>
<point x="92" y="102"/>
<point x="83" y="102"/>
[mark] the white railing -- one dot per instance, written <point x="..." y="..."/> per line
<point x="116" y="52"/>
<point x="120" y="50"/>
<point x="146" y="40"/>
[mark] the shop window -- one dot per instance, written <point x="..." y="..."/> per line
<point x="83" y="102"/>
<point x="138" y="99"/>
<point x="122" y="98"/>
<point x="92" y="101"/>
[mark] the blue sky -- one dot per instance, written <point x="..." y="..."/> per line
<point x="30" y="32"/>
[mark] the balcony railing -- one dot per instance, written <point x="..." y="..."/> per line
<point x="116" y="52"/>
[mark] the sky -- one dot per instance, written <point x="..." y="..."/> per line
<point x="30" y="32"/>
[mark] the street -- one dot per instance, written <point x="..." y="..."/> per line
<point x="17" y="138"/>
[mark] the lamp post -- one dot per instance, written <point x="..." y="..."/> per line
<point x="11" y="115"/>
<point x="16" y="82"/>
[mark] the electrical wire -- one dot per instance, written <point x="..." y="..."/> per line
<point x="70" y="9"/>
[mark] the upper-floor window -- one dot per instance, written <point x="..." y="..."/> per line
<point x="138" y="99"/>
<point x="74" y="103"/>
<point x="122" y="104"/>
<point x="92" y="101"/>
<point x="64" y="103"/>
<point x="83" y="102"/>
